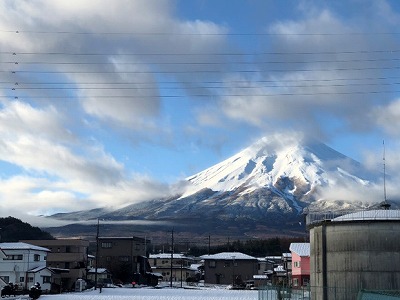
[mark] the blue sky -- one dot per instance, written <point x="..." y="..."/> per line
<point x="112" y="102"/>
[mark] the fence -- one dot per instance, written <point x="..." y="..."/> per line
<point x="273" y="292"/>
<point x="308" y="292"/>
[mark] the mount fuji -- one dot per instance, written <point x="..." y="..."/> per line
<point x="263" y="188"/>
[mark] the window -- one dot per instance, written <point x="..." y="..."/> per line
<point x="306" y="281"/>
<point x="30" y="279"/>
<point x="123" y="258"/>
<point x="67" y="249"/>
<point x="6" y="279"/>
<point x="46" y="279"/>
<point x="295" y="282"/>
<point x="211" y="263"/>
<point x="67" y="265"/>
<point x="22" y="279"/>
<point x="106" y="245"/>
<point x="108" y="258"/>
<point x="14" y="257"/>
<point x="36" y="257"/>
<point x="296" y="264"/>
<point x="227" y="264"/>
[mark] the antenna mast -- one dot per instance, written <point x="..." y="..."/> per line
<point x="384" y="172"/>
<point x="384" y="204"/>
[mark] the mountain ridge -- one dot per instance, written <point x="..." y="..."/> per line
<point x="267" y="184"/>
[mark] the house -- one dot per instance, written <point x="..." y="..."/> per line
<point x="24" y="265"/>
<point x="300" y="264"/>
<point x="103" y="275"/>
<point x="181" y="266"/>
<point x="125" y="258"/>
<point x="68" y="260"/>
<point x="287" y="262"/>
<point x="2" y="256"/>
<point x="229" y="268"/>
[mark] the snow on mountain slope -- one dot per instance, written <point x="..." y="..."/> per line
<point x="263" y="165"/>
<point x="267" y="185"/>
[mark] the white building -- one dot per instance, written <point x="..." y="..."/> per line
<point x="24" y="264"/>
<point x="181" y="266"/>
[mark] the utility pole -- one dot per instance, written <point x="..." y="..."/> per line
<point x="172" y="255"/>
<point x="97" y="255"/>
<point x="209" y="244"/>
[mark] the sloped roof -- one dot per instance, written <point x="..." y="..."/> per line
<point x="99" y="271"/>
<point x="2" y="254"/>
<point x="167" y="255"/>
<point x="38" y="269"/>
<point x="301" y="249"/>
<point x="21" y="246"/>
<point x="229" y="256"/>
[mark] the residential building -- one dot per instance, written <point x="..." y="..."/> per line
<point x="24" y="265"/>
<point x="300" y="264"/>
<point x="68" y="259"/>
<point x="287" y="262"/>
<point x="125" y="258"/>
<point x="103" y="275"/>
<point x="229" y="268"/>
<point x="2" y="256"/>
<point x="181" y="266"/>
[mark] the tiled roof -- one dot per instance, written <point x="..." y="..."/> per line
<point x="301" y="249"/>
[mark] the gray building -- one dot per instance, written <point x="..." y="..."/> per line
<point x="353" y="252"/>
<point x="229" y="268"/>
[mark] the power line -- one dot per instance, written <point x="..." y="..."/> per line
<point x="20" y="87"/>
<point x="207" y="53"/>
<point x="205" y="95"/>
<point x="165" y="33"/>
<point x="199" y="63"/>
<point x="201" y="71"/>
<point x="205" y="82"/>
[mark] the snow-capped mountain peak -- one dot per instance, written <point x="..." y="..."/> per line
<point x="263" y="165"/>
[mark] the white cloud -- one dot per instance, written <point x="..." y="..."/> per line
<point x="388" y="117"/>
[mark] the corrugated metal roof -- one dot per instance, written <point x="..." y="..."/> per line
<point x="378" y="214"/>
<point x="301" y="249"/>
<point x="21" y="246"/>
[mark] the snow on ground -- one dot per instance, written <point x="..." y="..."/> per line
<point x="157" y="294"/>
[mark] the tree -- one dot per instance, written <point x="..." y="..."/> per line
<point x="14" y="230"/>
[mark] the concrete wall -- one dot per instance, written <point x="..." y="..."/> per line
<point x="349" y="256"/>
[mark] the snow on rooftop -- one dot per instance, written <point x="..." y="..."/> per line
<point x="167" y="255"/>
<point x="279" y="269"/>
<point x="379" y="214"/>
<point x="301" y="249"/>
<point x="37" y="269"/>
<point x="229" y="256"/>
<point x="21" y="246"/>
